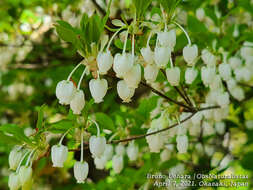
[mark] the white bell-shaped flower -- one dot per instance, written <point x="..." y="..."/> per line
<point x="124" y="92"/>
<point x="98" y="89"/>
<point x="15" y="157"/>
<point x="208" y="57"/>
<point x="235" y="62"/>
<point x="122" y="64"/>
<point x="225" y="71"/>
<point x="231" y="83"/>
<point x="190" y="75"/>
<point x="120" y="150"/>
<point x="132" y="151"/>
<point x="133" y="76"/>
<point x="207" y="75"/>
<point x="97" y="145"/>
<point x="14" y="183"/>
<point x="104" y="62"/>
<point x="165" y="155"/>
<point x="108" y="153"/>
<point x="147" y="54"/>
<point x="207" y="129"/>
<point x="25" y="174"/>
<point x="247" y="50"/>
<point x="65" y="91"/>
<point x="223" y="99"/>
<point x="190" y="53"/>
<point x="155" y="142"/>
<point x="151" y="72"/>
<point x="117" y="163"/>
<point x="59" y="155"/>
<point x="173" y="75"/>
<point x="81" y="170"/>
<point x="243" y="74"/>
<point x="200" y="14"/>
<point x="220" y="127"/>
<point x="100" y="162"/>
<point x="78" y="101"/>
<point x="238" y="93"/>
<point x="162" y="56"/>
<point x="216" y="83"/>
<point x="167" y="38"/>
<point x="182" y="143"/>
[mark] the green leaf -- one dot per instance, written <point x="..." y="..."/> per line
<point x="141" y="7"/>
<point x="15" y="132"/>
<point x="247" y="159"/>
<point x="146" y="106"/>
<point x="104" y="121"/>
<point x="60" y="126"/>
<point x="39" y="124"/>
<point x="9" y="139"/>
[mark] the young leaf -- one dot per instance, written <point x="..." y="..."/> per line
<point x="104" y="121"/>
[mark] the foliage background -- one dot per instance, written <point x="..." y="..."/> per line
<point x="33" y="59"/>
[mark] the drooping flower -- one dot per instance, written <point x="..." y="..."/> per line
<point x="133" y="76"/>
<point x="200" y="14"/>
<point x="117" y="163"/>
<point x="190" y="54"/>
<point x="59" y="155"/>
<point x="207" y="75"/>
<point x="122" y="64"/>
<point x="124" y="92"/>
<point x="208" y="57"/>
<point x="15" y="157"/>
<point x="151" y="72"/>
<point x="108" y="153"/>
<point x="167" y="38"/>
<point x="14" y="183"/>
<point x="65" y="91"/>
<point x="225" y="71"/>
<point x="120" y="150"/>
<point x="100" y="162"/>
<point x="25" y="174"/>
<point x="223" y="99"/>
<point x="78" y="101"/>
<point x="235" y="62"/>
<point x="162" y="56"/>
<point x="104" y="62"/>
<point x="97" y="145"/>
<point x="132" y="151"/>
<point x="81" y="170"/>
<point x="147" y="54"/>
<point x="98" y="89"/>
<point x="173" y="75"/>
<point x="190" y="75"/>
<point x="182" y="143"/>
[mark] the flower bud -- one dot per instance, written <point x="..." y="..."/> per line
<point x="81" y="170"/>
<point x="14" y="183"/>
<point x="124" y="92"/>
<point x="162" y="56"/>
<point x="15" y="157"/>
<point x="147" y="54"/>
<point x="104" y="62"/>
<point x="207" y="75"/>
<point x="132" y="151"/>
<point x="208" y="57"/>
<point x="190" y="75"/>
<point x="167" y="38"/>
<point x="100" y="162"/>
<point x="235" y="62"/>
<point x="133" y="76"/>
<point x="223" y="99"/>
<point x="182" y="143"/>
<point x="98" y="89"/>
<point x="242" y="74"/>
<point x="122" y="64"/>
<point x="120" y="150"/>
<point x="65" y="91"/>
<point x="173" y="76"/>
<point x="117" y="163"/>
<point x="78" y="101"/>
<point x="97" y="146"/>
<point x="59" y="154"/>
<point x="25" y="174"/>
<point x="190" y="54"/>
<point x="151" y="72"/>
<point x="225" y="71"/>
<point x="237" y="92"/>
